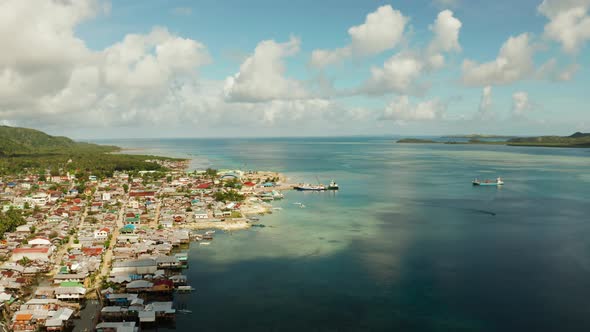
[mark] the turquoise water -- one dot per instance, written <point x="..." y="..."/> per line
<point x="407" y="244"/>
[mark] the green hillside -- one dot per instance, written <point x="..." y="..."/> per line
<point x="23" y="141"/>
<point x="23" y="149"/>
<point x="576" y="140"/>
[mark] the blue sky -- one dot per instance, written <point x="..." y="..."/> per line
<point x="294" y="68"/>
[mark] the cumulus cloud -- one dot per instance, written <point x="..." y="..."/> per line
<point x="48" y="74"/>
<point x="550" y="70"/>
<point x="520" y="104"/>
<point x="485" y="104"/>
<point x="569" y="22"/>
<point x="399" y="74"/>
<point x="382" y="30"/>
<point x="514" y="62"/>
<point x="446" y="29"/>
<point x="402" y="110"/>
<point x="262" y="75"/>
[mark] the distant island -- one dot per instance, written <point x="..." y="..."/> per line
<point x="24" y="149"/>
<point x="478" y="136"/>
<point x="576" y="140"/>
<point x="416" y="140"/>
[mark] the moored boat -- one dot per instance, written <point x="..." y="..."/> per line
<point x="310" y="187"/>
<point x="333" y="186"/>
<point x="497" y="182"/>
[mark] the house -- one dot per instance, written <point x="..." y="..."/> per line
<point x="39" y="199"/>
<point x="23" y="229"/>
<point x="201" y="214"/>
<point x="137" y="266"/>
<point x="116" y="327"/>
<point x="101" y="234"/>
<point x="70" y="291"/>
<point x="92" y="251"/>
<point x="39" y="241"/>
<point x="204" y="186"/>
<point x="57" y="322"/>
<point x="54" y="218"/>
<point x="163" y="286"/>
<point x="96" y="206"/>
<point x="106" y="196"/>
<point x="38" y="253"/>
<point x="139" y="285"/>
<point x="62" y="278"/>
<point x="168" y="262"/>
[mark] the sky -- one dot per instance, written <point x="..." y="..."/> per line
<point x="209" y="68"/>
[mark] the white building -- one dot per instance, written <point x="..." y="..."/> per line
<point x="40" y="241"/>
<point x="101" y="234"/>
<point x="70" y="293"/>
<point x="201" y="214"/>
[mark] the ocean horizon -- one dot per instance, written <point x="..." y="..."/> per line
<point x="407" y="243"/>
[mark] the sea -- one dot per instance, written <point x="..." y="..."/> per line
<point x="406" y="244"/>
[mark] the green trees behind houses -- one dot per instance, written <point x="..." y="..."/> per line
<point x="228" y="196"/>
<point x="10" y="220"/>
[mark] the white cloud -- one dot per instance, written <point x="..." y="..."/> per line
<point x="262" y="75"/>
<point x="402" y="110"/>
<point x="514" y="62"/>
<point x="48" y="75"/>
<point x="323" y="58"/>
<point x="520" y="104"/>
<point x="551" y="71"/>
<point x="398" y="74"/>
<point x="446" y="29"/>
<point x="39" y="48"/>
<point x="569" y="22"/>
<point x="382" y="30"/>
<point x="485" y="104"/>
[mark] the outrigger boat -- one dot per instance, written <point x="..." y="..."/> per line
<point x="497" y="182"/>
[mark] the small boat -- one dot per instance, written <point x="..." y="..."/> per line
<point x="333" y="185"/>
<point x="184" y="311"/>
<point x="184" y="289"/>
<point x="204" y="243"/>
<point x="210" y="232"/>
<point x="297" y="203"/>
<point x="277" y="208"/>
<point x="302" y="206"/>
<point x="497" y="182"/>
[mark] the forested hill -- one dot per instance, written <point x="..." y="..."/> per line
<point x="577" y="139"/>
<point x="25" y="141"/>
<point x="29" y="150"/>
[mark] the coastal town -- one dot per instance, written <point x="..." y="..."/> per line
<point x="120" y="241"/>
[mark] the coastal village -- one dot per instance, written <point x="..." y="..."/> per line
<point x="120" y="241"/>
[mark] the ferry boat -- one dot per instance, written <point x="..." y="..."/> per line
<point x="497" y="182"/>
<point x="310" y="187"/>
<point x="333" y="185"/>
